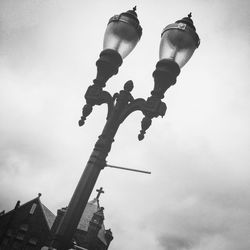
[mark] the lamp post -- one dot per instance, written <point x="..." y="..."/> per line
<point x="178" y="42"/>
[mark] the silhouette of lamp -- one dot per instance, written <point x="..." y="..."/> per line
<point x="178" y="43"/>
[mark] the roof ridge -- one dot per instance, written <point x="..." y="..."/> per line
<point x="21" y="205"/>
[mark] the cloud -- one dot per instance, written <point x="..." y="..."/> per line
<point x="204" y="199"/>
<point x="211" y="217"/>
<point x="175" y="243"/>
<point x="197" y="197"/>
<point x="200" y="224"/>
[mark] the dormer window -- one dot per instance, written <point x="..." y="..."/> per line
<point x="33" y="241"/>
<point x="24" y="227"/>
<point x="20" y="236"/>
<point x="33" y="208"/>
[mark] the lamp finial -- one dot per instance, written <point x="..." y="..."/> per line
<point x="190" y="15"/>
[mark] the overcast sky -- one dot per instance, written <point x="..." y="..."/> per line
<point x="198" y="195"/>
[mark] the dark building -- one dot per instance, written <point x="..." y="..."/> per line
<point x="32" y="225"/>
<point x="27" y="226"/>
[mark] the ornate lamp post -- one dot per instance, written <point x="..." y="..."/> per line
<point x="178" y="42"/>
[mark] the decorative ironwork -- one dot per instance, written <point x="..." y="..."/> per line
<point x="164" y="76"/>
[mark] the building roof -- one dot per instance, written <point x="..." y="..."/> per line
<point x="91" y="208"/>
<point x="87" y="215"/>
<point x="31" y="207"/>
<point x="49" y="216"/>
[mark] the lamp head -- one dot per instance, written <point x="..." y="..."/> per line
<point x="179" y="41"/>
<point x="122" y="33"/>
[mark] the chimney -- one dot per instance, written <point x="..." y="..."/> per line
<point x="17" y="205"/>
<point x="60" y="214"/>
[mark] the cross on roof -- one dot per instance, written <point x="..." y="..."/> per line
<point x="99" y="192"/>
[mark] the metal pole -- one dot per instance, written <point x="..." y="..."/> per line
<point x="97" y="161"/>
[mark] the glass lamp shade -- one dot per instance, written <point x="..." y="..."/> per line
<point x="122" y="33"/>
<point x="179" y="41"/>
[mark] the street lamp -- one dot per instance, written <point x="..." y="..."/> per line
<point x="178" y="42"/>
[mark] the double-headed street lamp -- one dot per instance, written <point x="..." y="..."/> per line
<point x="178" y="42"/>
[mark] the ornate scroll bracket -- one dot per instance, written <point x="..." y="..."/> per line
<point x="95" y="95"/>
<point x="164" y="76"/>
<point x="123" y="104"/>
<point x="107" y="66"/>
<point x="153" y="107"/>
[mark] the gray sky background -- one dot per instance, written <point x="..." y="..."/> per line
<point x="197" y="197"/>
